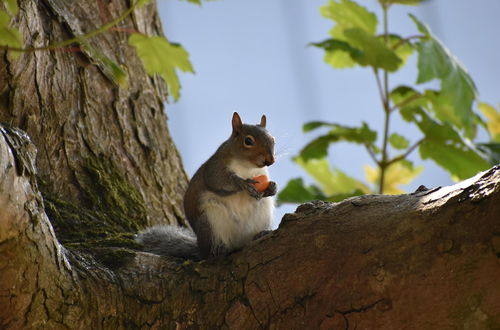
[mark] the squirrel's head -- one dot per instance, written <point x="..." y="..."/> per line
<point x="252" y="142"/>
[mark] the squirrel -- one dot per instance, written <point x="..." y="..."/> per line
<point x="221" y="203"/>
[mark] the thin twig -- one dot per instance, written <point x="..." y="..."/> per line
<point x="387" y="110"/>
<point x="406" y="154"/>
<point x="379" y="86"/>
<point x="372" y="153"/>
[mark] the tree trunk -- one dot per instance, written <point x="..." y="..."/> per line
<point x="107" y="166"/>
<point x="100" y="147"/>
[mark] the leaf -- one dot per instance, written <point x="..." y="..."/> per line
<point x="405" y="96"/>
<point x="396" y="174"/>
<point x="296" y="192"/>
<point x="373" y="50"/>
<point x="493" y="120"/>
<point x="362" y="48"/>
<point x="436" y="62"/>
<point x="444" y="145"/>
<point x="457" y="159"/>
<point x="402" y="48"/>
<point x="348" y="14"/>
<point x="339" y="54"/>
<point x="318" y="148"/>
<point x="398" y="141"/>
<point x="332" y="181"/>
<point x="196" y="2"/>
<point x="339" y="59"/>
<point x="11" y="6"/>
<point x="9" y="36"/>
<point x="161" y="57"/>
<point x="401" y="2"/>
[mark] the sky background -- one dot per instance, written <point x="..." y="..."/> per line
<point x="251" y="56"/>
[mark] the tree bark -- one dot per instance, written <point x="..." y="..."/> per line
<point x="86" y="128"/>
<point x="427" y="260"/>
<point x="106" y="166"/>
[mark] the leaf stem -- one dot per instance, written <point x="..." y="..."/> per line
<point x="371" y="153"/>
<point x="379" y="86"/>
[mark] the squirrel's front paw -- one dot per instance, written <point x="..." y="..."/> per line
<point x="271" y="189"/>
<point x="250" y="188"/>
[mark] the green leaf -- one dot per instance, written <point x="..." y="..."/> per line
<point x="404" y="96"/>
<point x="398" y="141"/>
<point x="440" y="104"/>
<point x="9" y="36"/>
<point x="348" y="14"/>
<point x="402" y="48"/>
<point x="332" y="180"/>
<point x="373" y="50"/>
<point x="110" y="67"/>
<point x="318" y="148"/>
<point x="361" y="48"/>
<point x="444" y="145"/>
<point x="456" y="158"/>
<point x="161" y="57"/>
<point x="339" y="54"/>
<point x="11" y="6"/>
<point x="436" y="62"/>
<point x="339" y="59"/>
<point x="401" y="2"/>
<point x="196" y="2"/>
<point x="296" y="192"/>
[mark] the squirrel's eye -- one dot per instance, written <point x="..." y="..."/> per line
<point x="249" y="141"/>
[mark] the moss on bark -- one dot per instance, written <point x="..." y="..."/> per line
<point x="114" y="210"/>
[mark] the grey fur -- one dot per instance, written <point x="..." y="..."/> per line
<point x="172" y="241"/>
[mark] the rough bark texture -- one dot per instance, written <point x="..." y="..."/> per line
<point x="87" y="129"/>
<point x="428" y="260"/>
<point x="107" y="166"/>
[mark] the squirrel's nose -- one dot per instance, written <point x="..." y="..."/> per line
<point x="269" y="160"/>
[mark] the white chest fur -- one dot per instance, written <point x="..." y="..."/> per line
<point x="237" y="218"/>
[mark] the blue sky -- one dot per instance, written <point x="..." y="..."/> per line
<point x="252" y="57"/>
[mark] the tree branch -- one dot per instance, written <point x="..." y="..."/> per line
<point x="369" y="262"/>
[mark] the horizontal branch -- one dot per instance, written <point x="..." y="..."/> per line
<point x="367" y="262"/>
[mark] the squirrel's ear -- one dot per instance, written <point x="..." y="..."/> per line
<point x="237" y="124"/>
<point x="263" y="121"/>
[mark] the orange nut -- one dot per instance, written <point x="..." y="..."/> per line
<point x="262" y="183"/>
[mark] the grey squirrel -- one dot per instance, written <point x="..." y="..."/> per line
<point x="221" y="203"/>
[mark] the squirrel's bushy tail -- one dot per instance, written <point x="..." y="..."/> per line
<point x="170" y="241"/>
